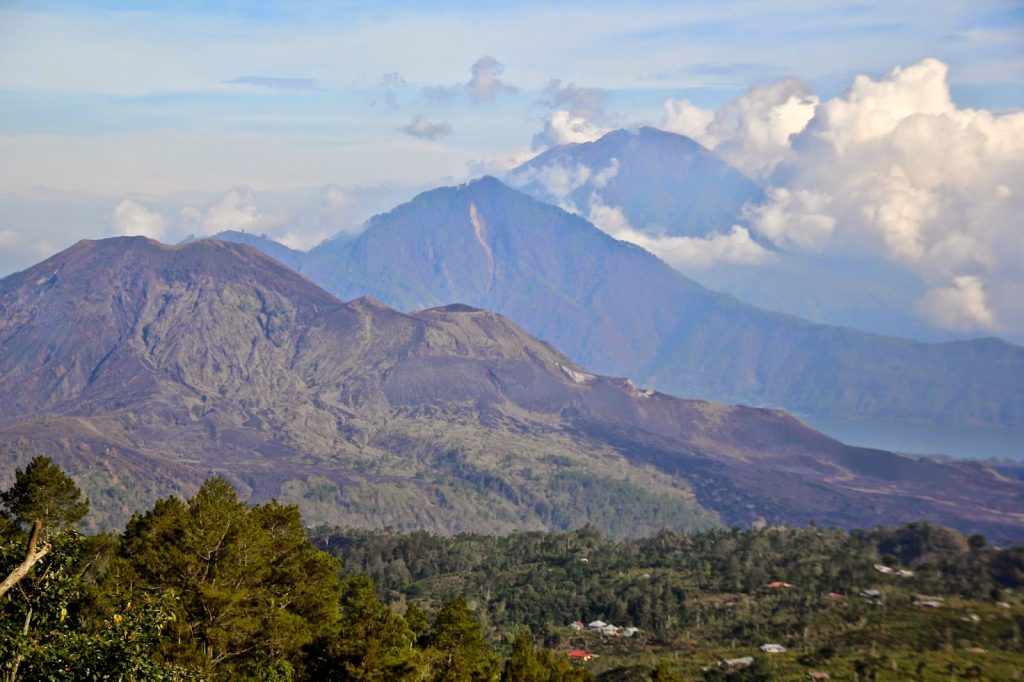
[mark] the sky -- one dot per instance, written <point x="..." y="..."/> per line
<point x="302" y="119"/>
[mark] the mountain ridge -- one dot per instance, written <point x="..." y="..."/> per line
<point x="619" y="310"/>
<point x="157" y="366"/>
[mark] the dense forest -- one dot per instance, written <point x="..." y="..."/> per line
<point x="213" y="588"/>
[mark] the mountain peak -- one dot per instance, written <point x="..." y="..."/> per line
<point x="660" y="180"/>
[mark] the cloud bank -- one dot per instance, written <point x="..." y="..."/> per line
<point x="892" y="168"/>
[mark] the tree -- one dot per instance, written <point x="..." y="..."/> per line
<point x="43" y="491"/>
<point x="457" y="641"/>
<point x="32" y="557"/>
<point x="370" y="643"/>
<point x="666" y="672"/>
<point x="251" y="590"/>
<point x="522" y="664"/>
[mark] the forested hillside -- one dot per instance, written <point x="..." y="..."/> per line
<point x="210" y="588"/>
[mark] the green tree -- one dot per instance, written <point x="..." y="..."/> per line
<point x="666" y="672"/>
<point x="456" y="639"/>
<point x="371" y="643"/>
<point x="522" y="664"/>
<point x="43" y="491"/>
<point x="250" y="588"/>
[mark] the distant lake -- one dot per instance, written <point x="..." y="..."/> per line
<point x="925" y="439"/>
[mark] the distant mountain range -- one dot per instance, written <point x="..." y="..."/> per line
<point x="615" y="308"/>
<point x="143" y="368"/>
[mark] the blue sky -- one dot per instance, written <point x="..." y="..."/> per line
<point x="171" y="102"/>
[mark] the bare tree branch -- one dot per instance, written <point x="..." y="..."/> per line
<point x="32" y="557"/>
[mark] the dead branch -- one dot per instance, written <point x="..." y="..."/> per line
<point x="32" y="557"/>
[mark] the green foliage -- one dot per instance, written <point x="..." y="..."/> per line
<point x="47" y="632"/>
<point x="666" y="672"/>
<point x="370" y="643"/>
<point x="211" y="587"/>
<point x="43" y="491"/>
<point x="457" y="645"/>
<point x="250" y="589"/>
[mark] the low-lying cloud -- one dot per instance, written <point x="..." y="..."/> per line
<point x="133" y="219"/>
<point x="276" y="83"/>
<point x="684" y="253"/>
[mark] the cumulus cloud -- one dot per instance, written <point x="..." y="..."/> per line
<point x="236" y="210"/>
<point x="735" y="247"/>
<point x="132" y="218"/>
<point x="577" y="114"/>
<point x="960" y="306"/>
<point x="424" y="129"/>
<point x="892" y="168"/>
<point x="752" y="131"/>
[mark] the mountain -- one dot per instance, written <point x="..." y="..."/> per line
<point x="668" y="184"/>
<point x="617" y="309"/>
<point x="143" y="368"/>
<point x="261" y="242"/>
<point x="661" y="181"/>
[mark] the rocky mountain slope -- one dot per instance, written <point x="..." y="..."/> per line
<point x="617" y="309"/>
<point x="144" y="368"/>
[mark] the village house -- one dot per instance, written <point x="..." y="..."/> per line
<point x="579" y="656"/>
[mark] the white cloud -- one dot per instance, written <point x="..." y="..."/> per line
<point x="9" y="239"/>
<point x="564" y="127"/>
<point x="485" y="83"/>
<point x="558" y="181"/>
<point x="425" y="129"/>
<point x="682" y="253"/>
<point x="752" y="131"/>
<point x="606" y="175"/>
<point x="132" y="218"/>
<point x="500" y="164"/>
<point x="961" y="306"/>
<point x="577" y="115"/>
<point x="236" y="210"/>
<point x="892" y="168"/>
<point x="794" y="218"/>
<point x="686" y="118"/>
